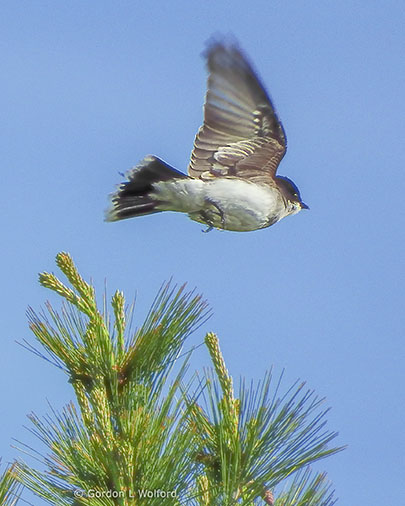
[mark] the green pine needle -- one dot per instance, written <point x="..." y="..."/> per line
<point x="10" y="488"/>
<point x="140" y="425"/>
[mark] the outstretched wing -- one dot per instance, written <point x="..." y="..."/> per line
<point x="241" y="135"/>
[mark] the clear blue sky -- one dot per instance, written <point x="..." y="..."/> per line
<point x="89" y="88"/>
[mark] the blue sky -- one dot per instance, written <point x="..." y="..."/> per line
<point x="89" y="88"/>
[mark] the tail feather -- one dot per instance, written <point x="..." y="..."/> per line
<point x="133" y="197"/>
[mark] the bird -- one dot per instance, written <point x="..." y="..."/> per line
<point x="231" y="182"/>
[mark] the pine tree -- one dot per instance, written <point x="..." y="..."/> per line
<point x="143" y="431"/>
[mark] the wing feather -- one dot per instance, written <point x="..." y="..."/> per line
<point x="241" y="135"/>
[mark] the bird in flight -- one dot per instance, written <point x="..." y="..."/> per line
<point x="231" y="182"/>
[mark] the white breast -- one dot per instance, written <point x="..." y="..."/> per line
<point x="246" y="205"/>
<point x="233" y="204"/>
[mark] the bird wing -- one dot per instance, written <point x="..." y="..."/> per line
<point x="241" y="135"/>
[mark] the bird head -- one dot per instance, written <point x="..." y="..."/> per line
<point x="291" y="193"/>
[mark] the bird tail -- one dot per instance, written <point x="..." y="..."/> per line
<point x="135" y="196"/>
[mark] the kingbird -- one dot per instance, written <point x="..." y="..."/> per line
<point x="231" y="182"/>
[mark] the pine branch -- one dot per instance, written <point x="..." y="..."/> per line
<point x="135" y="432"/>
<point x="307" y="490"/>
<point x="130" y="433"/>
<point x="10" y="488"/>
<point x="255" y="438"/>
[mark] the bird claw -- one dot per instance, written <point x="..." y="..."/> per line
<point x="205" y="216"/>
<point x="220" y="212"/>
<point x="207" y="221"/>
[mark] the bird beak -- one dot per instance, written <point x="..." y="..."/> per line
<point x="304" y="206"/>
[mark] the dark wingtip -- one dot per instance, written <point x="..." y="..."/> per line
<point x="220" y="43"/>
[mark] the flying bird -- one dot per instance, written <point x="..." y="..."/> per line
<point x="231" y="182"/>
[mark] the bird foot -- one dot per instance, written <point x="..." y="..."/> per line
<point x="220" y="212"/>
